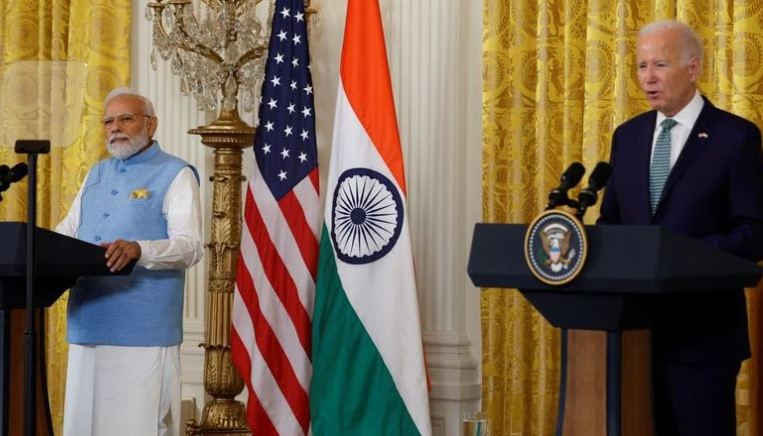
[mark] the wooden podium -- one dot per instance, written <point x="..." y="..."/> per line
<point x="60" y="260"/>
<point x="605" y="313"/>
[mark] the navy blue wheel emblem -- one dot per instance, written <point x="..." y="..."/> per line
<point x="366" y="216"/>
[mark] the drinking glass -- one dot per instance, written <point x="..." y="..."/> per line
<point x="475" y="424"/>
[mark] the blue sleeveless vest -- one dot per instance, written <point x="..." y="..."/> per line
<point x="123" y="199"/>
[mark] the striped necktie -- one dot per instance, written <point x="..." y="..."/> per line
<point x="658" y="173"/>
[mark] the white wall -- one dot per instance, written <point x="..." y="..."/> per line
<point x="434" y="50"/>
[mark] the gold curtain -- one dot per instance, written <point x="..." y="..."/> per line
<point x="559" y="76"/>
<point x="90" y="37"/>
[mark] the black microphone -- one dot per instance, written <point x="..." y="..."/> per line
<point x="588" y="195"/>
<point x="570" y="178"/>
<point x="12" y="175"/>
<point x="18" y="172"/>
<point x="4" y="169"/>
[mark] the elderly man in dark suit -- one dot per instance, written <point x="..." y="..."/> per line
<point x="698" y="171"/>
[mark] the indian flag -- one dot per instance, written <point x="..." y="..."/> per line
<point x="368" y="359"/>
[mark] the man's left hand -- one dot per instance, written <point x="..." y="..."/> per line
<point x="120" y="253"/>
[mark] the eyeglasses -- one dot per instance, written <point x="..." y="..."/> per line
<point x="124" y="119"/>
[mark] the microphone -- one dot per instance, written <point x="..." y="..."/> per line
<point x="588" y="195"/>
<point x="12" y="175"/>
<point x="18" y="172"/>
<point x="570" y="178"/>
<point x="4" y="169"/>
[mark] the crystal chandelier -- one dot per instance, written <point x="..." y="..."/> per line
<point x="211" y="45"/>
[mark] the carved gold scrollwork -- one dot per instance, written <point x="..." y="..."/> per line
<point x="228" y="136"/>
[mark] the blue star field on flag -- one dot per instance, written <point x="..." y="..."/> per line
<point x="284" y="143"/>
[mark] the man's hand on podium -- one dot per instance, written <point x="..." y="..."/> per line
<point x="120" y="253"/>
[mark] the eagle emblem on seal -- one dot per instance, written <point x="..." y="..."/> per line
<point x="555" y="240"/>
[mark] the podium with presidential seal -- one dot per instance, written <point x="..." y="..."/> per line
<point x="604" y="307"/>
<point x="600" y="285"/>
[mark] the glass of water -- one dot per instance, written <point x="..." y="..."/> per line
<point x="475" y="424"/>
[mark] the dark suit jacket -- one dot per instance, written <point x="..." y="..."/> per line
<point x="714" y="193"/>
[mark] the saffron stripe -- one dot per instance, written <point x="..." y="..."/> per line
<point x="368" y="85"/>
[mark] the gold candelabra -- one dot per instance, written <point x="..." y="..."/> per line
<point x="217" y="48"/>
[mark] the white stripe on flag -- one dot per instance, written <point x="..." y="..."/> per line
<point x="308" y="198"/>
<point x="264" y="384"/>
<point x="278" y="254"/>
<point x="279" y="231"/>
<point x="274" y="312"/>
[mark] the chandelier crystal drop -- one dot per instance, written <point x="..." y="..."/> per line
<point x="216" y="47"/>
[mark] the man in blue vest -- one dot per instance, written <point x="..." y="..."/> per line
<point x="123" y="375"/>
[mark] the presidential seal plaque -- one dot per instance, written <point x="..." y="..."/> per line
<point x="556" y="247"/>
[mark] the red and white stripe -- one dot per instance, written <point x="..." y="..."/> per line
<point x="273" y="304"/>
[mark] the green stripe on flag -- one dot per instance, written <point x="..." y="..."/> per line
<point x="351" y="391"/>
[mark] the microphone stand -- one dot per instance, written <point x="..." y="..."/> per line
<point x="32" y="149"/>
<point x="5" y="346"/>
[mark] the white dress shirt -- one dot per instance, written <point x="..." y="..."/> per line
<point x="183" y="211"/>
<point x="685" y="118"/>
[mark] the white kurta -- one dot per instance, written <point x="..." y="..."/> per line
<point x="115" y="391"/>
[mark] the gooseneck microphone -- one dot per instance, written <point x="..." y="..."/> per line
<point x="9" y="176"/>
<point x="588" y="195"/>
<point x="570" y="178"/>
<point x="4" y="170"/>
<point x="18" y="172"/>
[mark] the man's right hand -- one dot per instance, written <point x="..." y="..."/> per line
<point x="120" y="253"/>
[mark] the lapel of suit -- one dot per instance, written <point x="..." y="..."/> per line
<point x="695" y="145"/>
<point x="643" y="163"/>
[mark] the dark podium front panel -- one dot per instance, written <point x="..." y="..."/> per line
<point x="60" y="260"/>
<point x="606" y="385"/>
<point x="627" y="267"/>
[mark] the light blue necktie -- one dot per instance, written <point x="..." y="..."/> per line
<point x="658" y="173"/>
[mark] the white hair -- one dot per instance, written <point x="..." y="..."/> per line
<point x="148" y="106"/>
<point x="690" y="44"/>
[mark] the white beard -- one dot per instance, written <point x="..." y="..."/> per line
<point x="123" y="149"/>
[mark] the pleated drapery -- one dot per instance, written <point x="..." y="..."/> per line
<point x="58" y="60"/>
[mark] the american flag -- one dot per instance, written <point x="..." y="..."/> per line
<point x="275" y="279"/>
